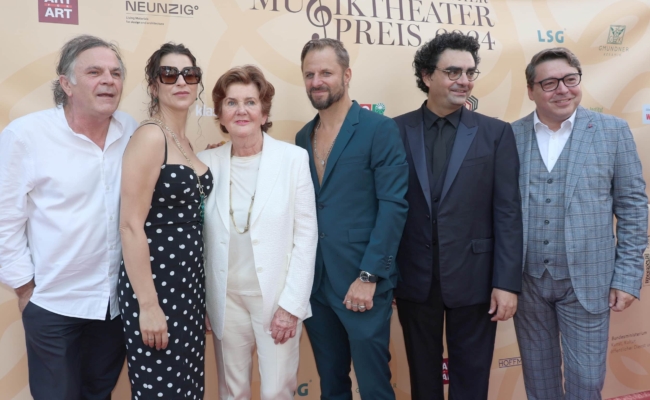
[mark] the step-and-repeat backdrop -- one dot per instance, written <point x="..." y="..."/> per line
<point x="611" y="38"/>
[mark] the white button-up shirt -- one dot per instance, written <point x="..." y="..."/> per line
<point x="552" y="143"/>
<point x="59" y="212"/>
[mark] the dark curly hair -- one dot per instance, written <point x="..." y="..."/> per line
<point x="246" y="74"/>
<point x="427" y="56"/>
<point x="152" y="70"/>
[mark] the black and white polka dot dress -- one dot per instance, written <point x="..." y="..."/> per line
<point x="173" y="230"/>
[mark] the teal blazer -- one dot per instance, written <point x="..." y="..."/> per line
<point x="360" y="203"/>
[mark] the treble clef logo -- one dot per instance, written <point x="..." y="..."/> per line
<point x="318" y="15"/>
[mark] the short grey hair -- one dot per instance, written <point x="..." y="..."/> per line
<point x="555" y="53"/>
<point x="68" y="59"/>
<point x="342" y="56"/>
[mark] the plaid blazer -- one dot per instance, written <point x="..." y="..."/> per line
<point x="604" y="179"/>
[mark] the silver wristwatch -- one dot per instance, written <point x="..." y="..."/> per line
<point x="368" y="277"/>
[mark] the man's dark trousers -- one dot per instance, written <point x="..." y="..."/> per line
<point x="361" y="337"/>
<point x="72" y="358"/>
<point x="470" y="346"/>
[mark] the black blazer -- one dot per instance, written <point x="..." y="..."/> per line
<point x="480" y="234"/>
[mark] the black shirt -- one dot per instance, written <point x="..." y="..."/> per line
<point x="431" y="133"/>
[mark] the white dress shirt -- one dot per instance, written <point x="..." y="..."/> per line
<point x="552" y="143"/>
<point x="59" y="212"/>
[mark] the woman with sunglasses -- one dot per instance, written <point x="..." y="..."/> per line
<point x="161" y="287"/>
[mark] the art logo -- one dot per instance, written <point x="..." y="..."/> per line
<point x="615" y="37"/>
<point x="616" y="34"/>
<point x="646" y="114"/>
<point x="472" y="103"/>
<point x="379" y="108"/>
<point x="58" y="11"/>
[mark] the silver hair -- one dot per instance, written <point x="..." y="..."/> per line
<point x="68" y="59"/>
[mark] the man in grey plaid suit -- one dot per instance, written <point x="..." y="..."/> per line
<point x="578" y="169"/>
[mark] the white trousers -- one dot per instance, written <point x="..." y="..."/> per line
<point x="243" y="332"/>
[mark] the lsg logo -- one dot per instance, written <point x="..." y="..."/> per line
<point x="303" y="390"/>
<point x="58" y="11"/>
<point x="558" y="36"/>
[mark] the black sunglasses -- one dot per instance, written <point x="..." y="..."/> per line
<point x="169" y="75"/>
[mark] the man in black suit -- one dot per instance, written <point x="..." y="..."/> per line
<point x="460" y="258"/>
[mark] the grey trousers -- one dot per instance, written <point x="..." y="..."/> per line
<point x="549" y="313"/>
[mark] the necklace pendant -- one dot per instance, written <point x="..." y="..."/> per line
<point x="322" y="162"/>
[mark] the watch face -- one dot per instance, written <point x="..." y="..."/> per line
<point x="367" y="277"/>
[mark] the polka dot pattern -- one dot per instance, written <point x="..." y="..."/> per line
<point x="174" y="237"/>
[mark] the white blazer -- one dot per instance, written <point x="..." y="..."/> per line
<point x="283" y="231"/>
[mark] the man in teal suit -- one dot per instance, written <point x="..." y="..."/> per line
<point x="360" y="174"/>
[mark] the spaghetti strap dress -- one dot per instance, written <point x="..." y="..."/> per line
<point x="174" y="233"/>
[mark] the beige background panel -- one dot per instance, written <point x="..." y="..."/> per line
<point x="226" y="33"/>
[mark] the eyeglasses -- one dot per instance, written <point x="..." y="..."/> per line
<point x="454" y="74"/>
<point x="550" y="84"/>
<point x="169" y="75"/>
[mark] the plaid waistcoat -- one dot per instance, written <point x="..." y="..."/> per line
<point x="546" y="242"/>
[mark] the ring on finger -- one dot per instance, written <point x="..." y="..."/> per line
<point x="349" y="301"/>
<point x="355" y="305"/>
<point x="362" y="307"/>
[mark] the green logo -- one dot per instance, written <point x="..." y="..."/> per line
<point x="616" y="33"/>
<point x="379" y="108"/>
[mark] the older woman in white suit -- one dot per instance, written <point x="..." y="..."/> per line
<point x="260" y="242"/>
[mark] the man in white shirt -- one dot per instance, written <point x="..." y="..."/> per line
<point x="60" y="247"/>
<point x="579" y="169"/>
